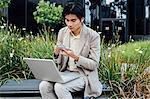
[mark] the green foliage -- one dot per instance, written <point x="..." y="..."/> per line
<point x="4" y="3"/>
<point x="42" y="46"/>
<point x="133" y="52"/>
<point x="48" y="14"/>
<point x="123" y="67"/>
<point x="13" y="48"/>
<point x="108" y="69"/>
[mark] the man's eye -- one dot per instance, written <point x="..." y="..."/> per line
<point x="67" y="20"/>
<point x="73" y="20"/>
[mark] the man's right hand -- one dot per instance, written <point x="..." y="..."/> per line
<point x="57" y="50"/>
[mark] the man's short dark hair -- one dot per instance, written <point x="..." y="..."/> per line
<point x="74" y="8"/>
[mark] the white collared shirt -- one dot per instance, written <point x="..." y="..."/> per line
<point x="74" y="44"/>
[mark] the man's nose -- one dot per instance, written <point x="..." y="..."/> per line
<point x="69" y="24"/>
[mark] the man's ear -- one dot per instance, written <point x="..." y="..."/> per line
<point x="82" y="20"/>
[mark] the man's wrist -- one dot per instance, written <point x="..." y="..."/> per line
<point x="76" y="58"/>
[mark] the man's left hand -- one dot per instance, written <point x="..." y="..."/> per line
<point x="71" y="54"/>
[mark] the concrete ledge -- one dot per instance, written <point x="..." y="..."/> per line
<point x="25" y="88"/>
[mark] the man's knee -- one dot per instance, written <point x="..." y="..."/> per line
<point x="58" y="88"/>
<point x="45" y="86"/>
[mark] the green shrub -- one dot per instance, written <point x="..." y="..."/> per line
<point x="48" y="14"/>
<point x="4" y="3"/>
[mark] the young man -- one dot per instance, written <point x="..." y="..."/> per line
<point x="81" y="54"/>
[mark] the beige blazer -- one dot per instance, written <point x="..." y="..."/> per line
<point x="89" y="56"/>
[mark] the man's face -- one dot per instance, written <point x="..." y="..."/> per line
<point x="73" y="22"/>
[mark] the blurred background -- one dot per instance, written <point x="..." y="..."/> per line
<point x="127" y="18"/>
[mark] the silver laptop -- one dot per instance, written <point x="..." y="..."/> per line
<point x="45" y="69"/>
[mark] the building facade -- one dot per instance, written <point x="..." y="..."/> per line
<point x="138" y="17"/>
<point x="98" y="15"/>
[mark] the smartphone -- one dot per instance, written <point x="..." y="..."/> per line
<point x="62" y="47"/>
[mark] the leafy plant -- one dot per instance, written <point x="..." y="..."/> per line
<point x="48" y="13"/>
<point x="4" y="3"/>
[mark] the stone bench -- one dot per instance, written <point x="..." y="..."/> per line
<point x="30" y="88"/>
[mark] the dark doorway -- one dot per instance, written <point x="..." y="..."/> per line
<point x="20" y="14"/>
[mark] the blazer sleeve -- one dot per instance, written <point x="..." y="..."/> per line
<point x="57" y="58"/>
<point x="92" y="61"/>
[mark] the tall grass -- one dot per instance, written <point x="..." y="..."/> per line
<point x="42" y="46"/>
<point x="108" y="69"/>
<point x="14" y="47"/>
<point x="123" y="68"/>
<point x="133" y="52"/>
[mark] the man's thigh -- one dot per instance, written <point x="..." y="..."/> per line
<point x="75" y="85"/>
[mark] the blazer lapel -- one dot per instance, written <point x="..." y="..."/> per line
<point x="83" y="39"/>
<point x="66" y="39"/>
